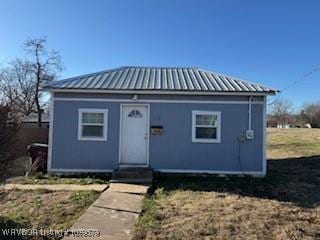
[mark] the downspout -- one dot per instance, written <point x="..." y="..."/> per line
<point x="249" y="132"/>
<point x="248" y="135"/>
<point x="249" y="113"/>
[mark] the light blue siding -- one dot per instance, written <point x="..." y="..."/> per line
<point x="174" y="150"/>
<point x="70" y="153"/>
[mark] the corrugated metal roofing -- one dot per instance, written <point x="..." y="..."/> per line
<point x="159" y="79"/>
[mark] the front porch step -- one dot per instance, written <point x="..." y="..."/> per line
<point x="131" y="180"/>
<point x="136" y="175"/>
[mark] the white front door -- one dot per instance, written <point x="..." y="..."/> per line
<point x="134" y="134"/>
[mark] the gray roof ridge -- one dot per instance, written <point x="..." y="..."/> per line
<point x="163" y="67"/>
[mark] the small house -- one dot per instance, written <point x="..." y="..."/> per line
<point x="168" y="119"/>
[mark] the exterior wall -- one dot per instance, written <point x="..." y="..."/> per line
<point x="173" y="151"/>
<point x="70" y="153"/>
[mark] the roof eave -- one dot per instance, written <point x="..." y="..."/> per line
<point x="162" y="92"/>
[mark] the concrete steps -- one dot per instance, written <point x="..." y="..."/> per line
<point x="132" y="175"/>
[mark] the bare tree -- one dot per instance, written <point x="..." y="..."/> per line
<point x="17" y="87"/>
<point x="45" y="65"/>
<point x="281" y="110"/>
<point x="311" y="113"/>
<point x="21" y="80"/>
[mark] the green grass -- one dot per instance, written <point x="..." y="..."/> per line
<point x="283" y="205"/>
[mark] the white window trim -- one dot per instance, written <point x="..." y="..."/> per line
<point x="203" y="140"/>
<point x="105" y="124"/>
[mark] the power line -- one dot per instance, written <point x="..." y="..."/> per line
<point x="3" y="61"/>
<point x="304" y="77"/>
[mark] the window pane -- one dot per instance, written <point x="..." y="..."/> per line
<point x="206" y="120"/>
<point x="92" y="131"/>
<point x="206" y="133"/>
<point x="135" y="114"/>
<point x="92" y="117"/>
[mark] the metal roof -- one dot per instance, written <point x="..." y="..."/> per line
<point x="159" y="79"/>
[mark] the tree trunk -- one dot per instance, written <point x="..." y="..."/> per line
<point x="39" y="111"/>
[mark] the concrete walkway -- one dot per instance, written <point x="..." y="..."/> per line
<point x="128" y="188"/>
<point x="114" y="213"/>
<point x="55" y="187"/>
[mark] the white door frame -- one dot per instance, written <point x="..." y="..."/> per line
<point x="120" y="133"/>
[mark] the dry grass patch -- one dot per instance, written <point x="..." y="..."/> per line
<point x="201" y="215"/>
<point x="285" y="205"/>
<point x="295" y="142"/>
<point x="233" y="208"/>
<point x="42" y="209"/>
<point x="54" y="179"/>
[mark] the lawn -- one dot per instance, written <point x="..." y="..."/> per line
<point x="283" y="205"/>
<point x="42" y="209"/>
<point x="293" y="143"/>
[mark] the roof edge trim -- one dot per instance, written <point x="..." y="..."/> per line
<point x="161" y="92"/>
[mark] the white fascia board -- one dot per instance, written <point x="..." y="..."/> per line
<point x="162" y="92"/>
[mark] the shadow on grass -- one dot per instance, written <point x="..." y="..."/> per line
<point x="6" y="224"/>
<point x="295" y="180"/>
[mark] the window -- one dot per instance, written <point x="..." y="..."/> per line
<point x="206" y="126"/>
<point x="135" y="114"/>
<point x="93" y="124"/>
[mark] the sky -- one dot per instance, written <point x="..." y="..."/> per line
<point x="271" y="42"/>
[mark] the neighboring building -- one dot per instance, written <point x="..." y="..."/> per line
<point x="291" y="121"/>
<point x="31" y="121"/>
<point x="173" y="120"/>
<point x="307" y="125"/>
<point x="284" y="126"/>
